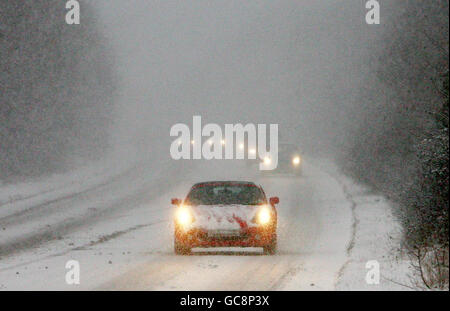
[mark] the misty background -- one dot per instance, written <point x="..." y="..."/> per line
<point x="57" y="89"/>
<point x="374" y="98"/>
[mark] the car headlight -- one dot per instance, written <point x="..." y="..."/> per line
<point x="184" y="216"/>
<point x="263" y="217"/>
<point x="296" y="161"/>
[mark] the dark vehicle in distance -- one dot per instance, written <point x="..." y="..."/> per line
<point x="289" y="160"/>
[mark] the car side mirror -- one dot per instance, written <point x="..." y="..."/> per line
<point x="176" y="201"/>
<point x="274" y="200"/>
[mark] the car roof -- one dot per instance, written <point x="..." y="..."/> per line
<point x="224" y="183"/>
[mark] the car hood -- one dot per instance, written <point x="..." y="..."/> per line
<point x="224" y="217"/>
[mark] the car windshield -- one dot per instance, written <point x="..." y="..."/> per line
<point x="225" y="195"/>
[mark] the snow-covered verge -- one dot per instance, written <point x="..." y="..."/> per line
<point x="375" y="242"/>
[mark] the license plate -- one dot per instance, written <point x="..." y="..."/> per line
<point x="223" y="233"/>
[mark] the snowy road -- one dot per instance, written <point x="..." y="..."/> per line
<point x="121" y="233"/>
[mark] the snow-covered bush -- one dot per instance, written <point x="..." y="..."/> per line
<point x="399" y="141"/>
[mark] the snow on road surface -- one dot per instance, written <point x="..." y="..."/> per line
<point x="122" y="236"/>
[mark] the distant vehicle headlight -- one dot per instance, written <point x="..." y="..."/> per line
<point x="296" y="161"/>
<point x="263" y="217"/>
<point x="184" y="216"/>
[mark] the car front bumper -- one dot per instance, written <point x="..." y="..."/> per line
<point x="250" y="237"/>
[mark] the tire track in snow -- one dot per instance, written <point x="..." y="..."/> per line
<point x="101" y="239"/>
<point x="354" y="227"/>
